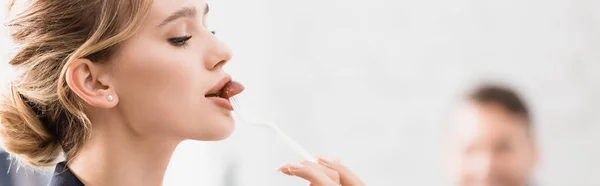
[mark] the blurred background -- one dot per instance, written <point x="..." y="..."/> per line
<point x="372" y="83"/>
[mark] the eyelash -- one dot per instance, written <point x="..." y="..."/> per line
<point x="182" y="41"/>
<point x="179" y="41"/>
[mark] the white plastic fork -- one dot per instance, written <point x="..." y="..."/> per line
<point x="280" y="134"/>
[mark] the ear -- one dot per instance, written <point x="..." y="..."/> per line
<point x="87" y="80"/>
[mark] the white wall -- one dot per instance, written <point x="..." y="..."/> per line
<point x="371" y="81"/>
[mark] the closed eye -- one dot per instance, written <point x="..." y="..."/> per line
<point x="179" y="41"/>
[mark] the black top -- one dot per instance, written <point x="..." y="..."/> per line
<point x="5" y="177"/>
<point x="64" y="177"/>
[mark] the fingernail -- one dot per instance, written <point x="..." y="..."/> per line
<point x="280" y="168"/>
<point x="295" y="166"/>
<point x="325" y="160"/>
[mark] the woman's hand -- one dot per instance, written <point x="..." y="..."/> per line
<point x="323" y="173"/>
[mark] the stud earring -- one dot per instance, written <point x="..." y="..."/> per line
<point x="109" y="98"/>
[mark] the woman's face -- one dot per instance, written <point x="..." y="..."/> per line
<point x="164" y="73"/>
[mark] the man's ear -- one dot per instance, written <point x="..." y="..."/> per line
<point x="87" y="80"/>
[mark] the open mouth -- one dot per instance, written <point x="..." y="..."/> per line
<point x="226" y="91"/>
<point x="219" y="94"/>
<point x="222" y="91"/>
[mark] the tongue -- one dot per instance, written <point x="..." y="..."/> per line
<point x="231" y="89"/>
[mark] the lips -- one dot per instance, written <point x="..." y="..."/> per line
<point x="228" y="90"/>
<point x="222" y="91"/>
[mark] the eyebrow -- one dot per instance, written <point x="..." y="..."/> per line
<point x="187" y="12"/>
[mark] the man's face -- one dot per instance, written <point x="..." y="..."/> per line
<point x="490" y="147"/>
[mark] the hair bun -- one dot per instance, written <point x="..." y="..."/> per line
<point x="24" y="135"/>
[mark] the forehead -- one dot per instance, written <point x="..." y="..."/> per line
<point x="162" y="9"/>
<point x="485" y="121"/>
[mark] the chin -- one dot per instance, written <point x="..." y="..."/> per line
<point x="223" y="134"/>
<point x="222" y="130"/>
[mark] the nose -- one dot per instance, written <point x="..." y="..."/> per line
<point x="484" y="166"/>
<point x="217" y="55"/>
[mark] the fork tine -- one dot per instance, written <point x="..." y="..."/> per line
<point x="236" y="109"/>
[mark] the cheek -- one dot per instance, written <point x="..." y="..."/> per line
<point x="158" y="75"/>
<point x="157" y="83"/>
<point x="518" y="162"/>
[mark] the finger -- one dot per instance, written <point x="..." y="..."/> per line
<point x="332" y="174"/>
<point x="285" y="170"/>
<point x="347" y="177"/>
<point x="315" y="177"/>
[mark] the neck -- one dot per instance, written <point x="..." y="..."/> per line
<point x="115" y="155"/>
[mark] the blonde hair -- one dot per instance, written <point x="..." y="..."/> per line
<point x="40" y="116"/>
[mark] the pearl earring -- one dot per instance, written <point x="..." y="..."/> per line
<point x="109" y="98"/>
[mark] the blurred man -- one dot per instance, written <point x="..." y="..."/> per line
<point x="492" y="139"/>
